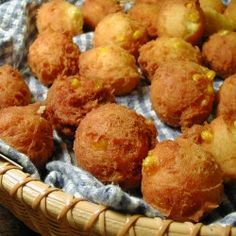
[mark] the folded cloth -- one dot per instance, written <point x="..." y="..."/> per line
<point x="17" y="30"/>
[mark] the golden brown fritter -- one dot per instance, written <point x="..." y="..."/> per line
<point x="181" y="180"/>
<point x="219" y="139"/>
<point x="230" y="12"/>
<point x="181" y="18"/>
<point x="219" y="53"/>
<point x="111" y="142"/>
<point x="164" y="49"/>
<point x="70" y="98"/>
<point x="146" y="14"/>
<point x="182" y="93"/>
<point x="216" y="5"/>
<point x="59" y="16"/>
<point x="13" y="89"/>
<point x="53" y="54"/>
<point x="120" y="29"/>
<point x="112" y="66"/>
<point x="227" y="98"/>
<point x="148" y="1"/>
<point x="24" y="128"/>
<point x="95" y="10"/>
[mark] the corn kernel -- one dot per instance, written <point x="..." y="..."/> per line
<point x="223" y="32"/>
<point x="120" y="38"/>
<point x="148" y="161"/>
<point x="189" y="5"/>
<point x="179" y="45"/>
<point x="210" y="89"/>
<point x="206" y="135"/>
<point x="98" y="84"/>
<point x="137" y="34"/>
<point x="103" y="50"/>
<point x="193" y="17"/>
<point x="101" y="145"/>
<point x="197" y="77"/>
<point x="210" y="74"/>
<point x="75" y="83"/>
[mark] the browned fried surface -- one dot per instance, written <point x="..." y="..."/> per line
<point x="181" y="18"/>
<point x="120" y="29"/>
<point x="227" y="98"/>
<point x="219" y="53"/>
<point x="70" y="98"/>
<point x="230" y="12"/>
<point x="13" y="89"/>
<point x="52" y="54"/>
<point x="59" y="16"/>
<point x="112" y="141"/>
<point x="112" y="66"/>
<point x="219" y="139"/>
<point x="95" y="10"/>
<point x="146" y="14"/>
<point x="164" y="49"/>
<point x="212" y="4"/>
<point x="182" y="93"/>
<point x="181" y="180"/>
<point x="24" y="129"/>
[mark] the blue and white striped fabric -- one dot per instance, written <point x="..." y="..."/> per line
<point x="17" y="30"/>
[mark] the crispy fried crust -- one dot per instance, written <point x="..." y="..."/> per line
<point x="112" y="141"/>
<point x="24" y="129"/>
<point x="219" y="53"/>
<point x="13" y="89"/>
<point x="95" y="10"/>
<point x="181" y="180"/>
<point x="53" y="54"/>
<point x="112" y="66"/>
<point x="182" y="93"/>
<point x="70" y="98"/>
<point x="120" y="29"/>
<point x="164" y="49"/>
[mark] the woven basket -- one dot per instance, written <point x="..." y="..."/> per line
<point x="50" y="211"/>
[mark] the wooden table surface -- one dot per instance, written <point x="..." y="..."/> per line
<point x="11" y="226"/>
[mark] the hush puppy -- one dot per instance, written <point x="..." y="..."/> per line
<point x="146" y="14"/>
<point x="111" y="142"/>
<point x="112" y="66"/>
<point x="182" y="93"/>
<point x="24" y="128"/>
<point x="227" y="98"/>
<point x="95" y="10"/>
<point x="219" y="53"/>
<point x="219" y="139"/>
<point x="60" y="16"/>
<point x="217" y="5"/>
<point x="120" y="29"/>
<point x="13" y="89"/>
<point x="181" y="180"/>
<point x="52" y="54"/>
<point x="181" y="18"/>
<point x="230" y="12"/>
<point x="70" y="98"/>
<point x="164" y="49"/>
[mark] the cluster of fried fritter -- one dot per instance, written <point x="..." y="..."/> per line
<point x="179" y="47"/>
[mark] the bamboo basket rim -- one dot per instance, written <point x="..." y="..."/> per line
<point x="50" y="211"/>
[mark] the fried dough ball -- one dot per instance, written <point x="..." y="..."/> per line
<point x="112" y="66"/>
<point x="181" y="18"/>
<point x="111" y="142"/>
<point x="24" y="128"/>
<point x="181" y="180"/>
<point x="70" y="98"/>
<point x="52" y="54"/>
<point x="120" y="29"/>
<point x="146" y="14"/>
<point x="219" y="53"/>
<point x="230" y="12"/>
<point x="147" y="1"/>
<point x="60" y="16"/>
<point x="219" y="139"/>
<point x="227" y="98"/>
<point x="13" y="89"/>
<point x="182" y="93"/>
<point x="163" y="49"/>
<point x="95" y="10"/>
